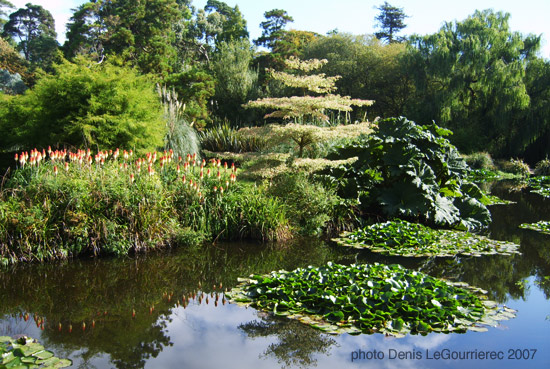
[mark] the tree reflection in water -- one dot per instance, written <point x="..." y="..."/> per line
<point x="296" y="343"/>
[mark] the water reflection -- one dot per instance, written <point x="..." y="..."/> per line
<point x="167" y="310"/>
<point x="294" y="344"/>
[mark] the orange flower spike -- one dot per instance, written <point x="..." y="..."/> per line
<point x="203" y="163"/>
<point x="16" y="157"/>
<point x="66" y="166"/>
<point x="225" y="165"/>
<point x="194" y="156"/>
<point x="83" y="326"/>
<point x="183" y="179"/>
<point x="93" y="323"/>
<point x="208" y="173"/>
<point x="188" y="158"/>
<point x="219" y="175"/>
<point x="202" y="174"/>
<point x="55" y="169"/>
<point x="221" y="190"/>
<point x="70" y="328"/>
<point x="131" y="152"/>
<point x="132" y="178"/>
<point x="133" y="313"/>
<point x="59" y="327"/>
<point x="219" y="163"/>
<point x="178" y="170"/>
<point x="49" y="149"/>
<point x="215" y="189"/>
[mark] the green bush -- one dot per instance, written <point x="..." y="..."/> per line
<point x="480" y="160"/>
<point x="543" y="168"/>
<point x="84" y="104"/>
<point x="518" y="166"/>
<point x="224" y="138"/>
<point x="409" y="171"/>
<point x="311" y="205"/>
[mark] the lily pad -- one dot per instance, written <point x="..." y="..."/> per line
<point x="401" y="238"/>
<point x="540" y="185"/>
<point x="25" y="352"/>
<point x="543" y="226"/>
<point x="371" y="298"/>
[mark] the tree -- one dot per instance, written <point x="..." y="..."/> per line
<point x="390" y="20"/>
<point x="236" y="82"/>
<point x="142" y="32"/>
<point x="368" y="69"/>
<point x="276" y="20"/>
<point x="34" y="26"/>
<point x="469" y="77"/>
<point x="298" y="107"/>
<point x="11" y="60"/>
<point x="4" y="4"/>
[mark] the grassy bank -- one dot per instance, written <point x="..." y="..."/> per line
<point x="61" y="204"/>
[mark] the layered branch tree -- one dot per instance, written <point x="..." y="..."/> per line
<point x="298" y="107"/>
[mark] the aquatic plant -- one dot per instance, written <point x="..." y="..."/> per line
<point x="370" y="298"/>
<point x="542" y="226"/>
<point x="399" y="237"/>
<point x="26" y="353"/>
<point x="540" y="185"/>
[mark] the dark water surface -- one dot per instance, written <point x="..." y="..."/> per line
<point x="167" y="310"/>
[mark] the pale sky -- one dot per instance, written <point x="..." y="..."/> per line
<point x="357" y="16"/>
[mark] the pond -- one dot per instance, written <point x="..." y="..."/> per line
<point x="167" y="310"/>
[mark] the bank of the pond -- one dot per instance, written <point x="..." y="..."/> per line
<point x="113" y="203"/>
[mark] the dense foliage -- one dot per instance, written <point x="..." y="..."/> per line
<point x="68" y="204"/>
<point x="409" y="239"/>
<point x="85" y="105"/>
<point x="369" y="298"/>
<point x="410" y="171"/>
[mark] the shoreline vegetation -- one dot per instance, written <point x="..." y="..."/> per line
<point x="60" y="204"/>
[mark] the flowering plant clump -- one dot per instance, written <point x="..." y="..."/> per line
<point x="59" y="203"/>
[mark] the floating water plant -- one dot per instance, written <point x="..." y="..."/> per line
<point x="26" y="352"/>
<point x="543" y="226"/>
<point x="540" y="185"/>
<point x="370" y="298"/>
<point x="401" y="238"/>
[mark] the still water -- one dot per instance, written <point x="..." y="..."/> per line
<point x="167" y="310"/>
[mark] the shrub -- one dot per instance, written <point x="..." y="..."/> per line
<point x="87" y="105"/>
<point x="543" y="168"/>
<point x="480" y="160"/>
<point x="224" y="138"/>
<point x="410" y="171"/>
<point x="311" y="205"/>
<point x="518" y="166"/>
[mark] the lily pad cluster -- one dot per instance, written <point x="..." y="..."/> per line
<point x="543" y="226"/>
<point x="540" y="185"/>
<point x="370" y="298"/>
<point x="26" y="352"/>
<point x="402" y="238"/>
